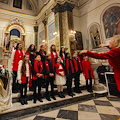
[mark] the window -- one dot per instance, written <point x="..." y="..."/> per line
<point x="17" y="4"/>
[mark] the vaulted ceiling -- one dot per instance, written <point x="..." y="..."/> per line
<point x="36" y="5"/>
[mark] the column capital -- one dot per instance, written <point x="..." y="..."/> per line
<point x="45" y="21"/>
<point x="63" y="7"/>
<point x="35" y="28"/>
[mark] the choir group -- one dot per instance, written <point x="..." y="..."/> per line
<point x="38" y="68"/>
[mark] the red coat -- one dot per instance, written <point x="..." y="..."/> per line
<point x="57" y="70"/>
<point x="86" y="67"/>
<point x="36" y="63"/>
<point x="113" y="57"/>
<point x="16" y="58"/>
<point x="53" y="58"/>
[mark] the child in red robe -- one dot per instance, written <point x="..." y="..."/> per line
<point x="88" y="73"/>
<point x="49" y="77"/>
<point x="77" y="70"/>
<point x="37" y="78"/>
<point x="69" y="72"/>
<point x="59" y="77"/>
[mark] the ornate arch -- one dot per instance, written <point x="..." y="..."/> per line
<point x="15" y="23"/>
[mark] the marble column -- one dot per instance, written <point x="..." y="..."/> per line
<point x="64" y="25"/>
<point x="36" y="36"/>
<point x="45" y="31"/>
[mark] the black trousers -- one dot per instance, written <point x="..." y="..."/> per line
<point x="69" y="85"/>
<point x="50" y="80"/>
<point x="37" y="83"/>
<point x="102" y="78"/>
<point x="14" y="83"/>
<point x="23" y="87"/>
<point x="77" y="81"/>
<point x="89" y="81"/>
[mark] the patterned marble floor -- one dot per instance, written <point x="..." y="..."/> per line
<point x="104" y="108"/>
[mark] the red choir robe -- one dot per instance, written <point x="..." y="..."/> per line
<point x="113" y="57"/>
<point x="18" y="55"/>
<point x="86" y="67"/>
<point x="77" y="68"/>
<point x="57" y="70"/>
<point x="36" y="70"/>
<point x="68" y="63"/>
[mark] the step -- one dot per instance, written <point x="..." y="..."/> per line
<point x="16" y="96"/>
<point x="19" y="110"/>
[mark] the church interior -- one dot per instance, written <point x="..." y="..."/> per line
<point x="74" y="25"/>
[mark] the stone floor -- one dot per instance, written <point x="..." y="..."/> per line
<point x="103" y="108"/>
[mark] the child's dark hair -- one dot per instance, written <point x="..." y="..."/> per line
<point x="23" y="68"/>
<point x="61" y="51"/>
<point x="37" y="55"/>
<point x="29" y="49"/>
<point x="17" y="46"/>
<point x="51" y="50"/>
<point x="56" y="60"/>
<point x="66" y="54"/>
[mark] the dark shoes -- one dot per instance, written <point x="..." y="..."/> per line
<point x="53" y="97"/>
<point x="60" y="94"/>
<point x="23" y="101"/>
<point x="48" y="98"/>
<point x="78" y="91"/>
<point x="34" y="101"/>
<point x="90" y="90"/>
<point x="40" y="99"/>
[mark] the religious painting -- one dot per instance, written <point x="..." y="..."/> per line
<point x="95" y="36"/>
<point x="28" y="5"/>
<point x="51" y="30"/>
<point x="4" y="1"/>
<point x="111" y="21"/>
<point x="17" y="3"/>
<point x="79" y="42"/>
<point x="41" y="37"/>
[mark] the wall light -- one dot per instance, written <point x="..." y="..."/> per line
<point x="73" y="32"/>
<point x="43" y="41"/>
<point x="55" y="33"/>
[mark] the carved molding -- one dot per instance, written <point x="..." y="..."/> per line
<point x="45" y="21"/>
